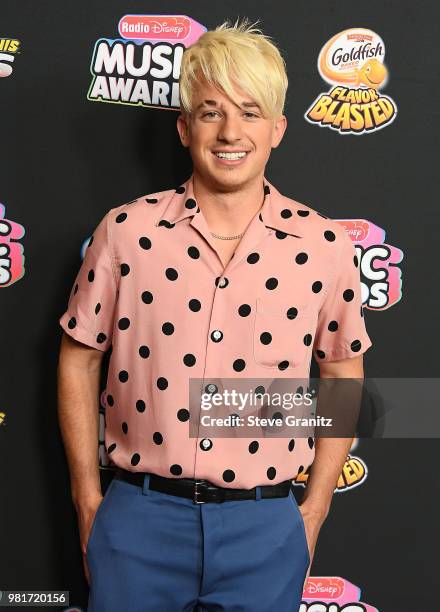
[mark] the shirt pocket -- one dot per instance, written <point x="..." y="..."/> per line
<point x="282" y="332"/>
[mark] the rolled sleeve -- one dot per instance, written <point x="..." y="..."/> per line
<point x="90" y="310"/>
<point x="341" y="331"/>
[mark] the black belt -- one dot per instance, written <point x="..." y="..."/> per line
<point x="199" y="490"/>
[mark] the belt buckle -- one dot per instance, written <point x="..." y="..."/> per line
<point x="196" y="493"/>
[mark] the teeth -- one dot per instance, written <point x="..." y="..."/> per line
<point x="231" y="155"/>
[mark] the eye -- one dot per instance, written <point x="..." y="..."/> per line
<point x="251" y="115"/>
<point x="210" y="114"/>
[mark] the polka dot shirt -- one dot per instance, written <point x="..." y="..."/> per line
<point x="153" y="290"/>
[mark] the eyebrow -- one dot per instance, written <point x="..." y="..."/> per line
<point x="214" y="103"/>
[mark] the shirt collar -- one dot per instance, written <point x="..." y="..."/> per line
<point x="277" y="212"/>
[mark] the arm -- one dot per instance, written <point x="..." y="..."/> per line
<point x="330" y="456"/>
<point x="78" y="414"/>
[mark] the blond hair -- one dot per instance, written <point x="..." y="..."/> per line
<point x="238" y="53"/>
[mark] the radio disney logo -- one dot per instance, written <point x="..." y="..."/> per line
<point x="332" y="594"/>
<point x="381" y="277"/>
<point x="352" y="62"/>
<point x="142" y="67"/>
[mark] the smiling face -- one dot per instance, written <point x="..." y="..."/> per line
<point x="229" y="143"/>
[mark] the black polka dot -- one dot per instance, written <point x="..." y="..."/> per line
<point x="121" y="217"/>
<point x="157" y="437"/>
<point x="125" y="269"/>
<point x="162" y="383"/>
<point x="168" y="328"/>
<point x="147" y="297"/>
<point x="244" y="310"/>
<point x="189" y="360"/>
<point x="101" y="337"/>
<point x="176" y="469"/>
<point x="140" y="405"/>
<point x="228" y="475"/>
<point x="171" y="274"/>
<point x="72" y="323"/>
<point x="266" y="190"/>
<point x="329" y="235"/>
<point x="123" y="376"/>
<point x="265" y="338"/>
<point x="280" y="235"/>
<point x="253" y="447"/>
<point x="253" y="258"/>
<point x="291" y="445"/>
<point x="124" y="427"/>
<point x="91" y="276"/>
<point x="144" y="351"/>
<point x="292" y="312"/>
<point x="271" y="283"/>
<point x="183" y="414"/>
<point x="194" y="305"/>
<point x="333" y="326"/>
<point x="271" y="473"/>
<point x="301" y="258"/>
<point x="190" y="203"/>
<point x="286" y="213"/>
<point x="151" y="200"/>
<point x="310" y="442"/>
<point x="110" y="400"/>
<point x="259" y="390"/>
<point x="283" y="365"/>
<point x="180" y="189"/>
<point x="145" y="243"/>
<point x="317" y="286"/>
<point x="193" y="252"/>
<point x="300" y="469"/>
<point x="320" y="353"/>
<point x="348" y="295"/>
<point x="135" y="459"/>
<point x="166" y="223"/>
<point x="97" y="308"/>
<point x="111" y="448"/>
<point x="356" y="346"/>
<point x="308" y="339"/>
<point x="124" y="323"/>
<point x="239" y="365"/>
<point x="303" y="213"/>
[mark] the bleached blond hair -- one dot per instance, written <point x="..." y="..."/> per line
<point x="239" y="54"/>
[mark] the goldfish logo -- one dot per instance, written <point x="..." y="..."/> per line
<point x="2" y="418"/>
<point x="354" y="472"/>
<point x="8" y="48"/>
<point x="352" y="62"/>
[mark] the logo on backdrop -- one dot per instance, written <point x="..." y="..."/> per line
<point x="9" y="48"/>
<point x="332" y="594"/>
<point x="352" y="62"/>
<point x="11" y="251"/>
<point x="141" y="67"/>
<point x="354" y="473"/>
<point x="381" y="277"/>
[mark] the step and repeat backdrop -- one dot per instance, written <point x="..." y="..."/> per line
<point x="89" y="99"/>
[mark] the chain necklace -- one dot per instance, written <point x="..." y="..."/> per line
<point x="226" y="237"/>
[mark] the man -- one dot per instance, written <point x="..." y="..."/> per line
<point x="220" y="278"/>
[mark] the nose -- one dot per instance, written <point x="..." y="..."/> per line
<point x="230" y="129"/>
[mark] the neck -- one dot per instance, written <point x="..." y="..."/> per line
<point x="228" y="212"/>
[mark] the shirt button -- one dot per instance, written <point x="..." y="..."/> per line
<point x="222" y="281"/>
<point x="205" y="444"/>
<point x="216" y="335"/>
<point x="211" y="388"/>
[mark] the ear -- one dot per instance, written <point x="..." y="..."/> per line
<point x="183" y="129"/>
<point x="280" y="126"/>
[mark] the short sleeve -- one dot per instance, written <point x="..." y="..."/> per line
<point x="90" y="310"/>
<point x="341" y="331"/>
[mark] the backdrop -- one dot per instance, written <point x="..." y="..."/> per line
<point x="81" y="132"/>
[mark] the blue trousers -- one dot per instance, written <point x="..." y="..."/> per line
<point x="154" y="551"/>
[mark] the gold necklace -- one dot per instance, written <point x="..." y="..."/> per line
<point x="226" y="237"/>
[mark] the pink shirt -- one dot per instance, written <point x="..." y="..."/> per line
<point x="153" y="288"/>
